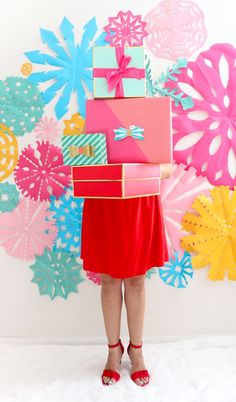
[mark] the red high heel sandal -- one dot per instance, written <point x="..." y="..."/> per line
<point x="140" y="373"/>
<point x="112" y="373"/>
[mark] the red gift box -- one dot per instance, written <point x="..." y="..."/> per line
<point x="124" y="180"/>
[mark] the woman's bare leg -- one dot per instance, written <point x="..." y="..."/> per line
<point x="135" y="298"/>
<point x="112" y="298"/>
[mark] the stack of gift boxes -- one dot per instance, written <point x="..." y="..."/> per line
<point x="128" y="135"/>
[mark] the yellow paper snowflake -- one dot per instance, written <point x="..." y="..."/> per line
<point x="8" y="152"/>
<point x="26" y="69"/>
<point x="213" y="237"/>
<point x="74" y="126"/>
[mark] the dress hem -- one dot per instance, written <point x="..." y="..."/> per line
<point x="128" y="276"/>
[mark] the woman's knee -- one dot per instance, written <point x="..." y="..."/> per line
<point x="109" y="282"/>
<point x="135" y="282"/>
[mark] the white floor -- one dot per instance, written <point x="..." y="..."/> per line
<point x="194" y="370"/>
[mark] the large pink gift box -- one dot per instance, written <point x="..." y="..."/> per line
<point x="138" y="130"/>
<point x="116" y="180"/>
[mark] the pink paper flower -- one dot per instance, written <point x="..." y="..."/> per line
<point x="125" y="29"/>
<point x="28" y="229"/>
<point x="176" y="29"/>
<point x="205" y="137"/>
<point x="47" y="129"/>
<point x="177" y="195"/>
<point x="40" y="172"/>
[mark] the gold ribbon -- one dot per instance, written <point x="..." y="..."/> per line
<point x="87" y="150"/>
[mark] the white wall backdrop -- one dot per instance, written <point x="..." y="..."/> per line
<point x="204" y="307"/>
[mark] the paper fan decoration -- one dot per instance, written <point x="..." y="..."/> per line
<point x="213" y="233"/>
<point x="175" y="201"/>
<point x="178" y="270"/>
<point x="9" y="197"/>
<point x="27" y="230"/>
<point x="47" y="129"/>
<point x="56" y="274"/>
<point x="94" y="277"/>
<point x="75" y="125"/>
<point x="205" y="137"/>
<point x="69" y="69"/>
<point x="176" y="29"/>
<point x="125" y="29"/>
<point x="40" y="172"/>
<point x="21" y="104"/>
<point x="8" y="152"/>
<point x="67" y="211"/>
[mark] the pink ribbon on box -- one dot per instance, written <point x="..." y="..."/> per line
<point x="114" y="76"/>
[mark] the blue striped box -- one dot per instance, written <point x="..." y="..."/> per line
<point x="84" y="149"/>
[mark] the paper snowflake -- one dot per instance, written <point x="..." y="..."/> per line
<point x="21" y="104"/>
<point x="125" y="29"/>
<point x="9" y="197"/>
<point x="27" y="230"/>
<point x="40" y="172"/>
<point x="8" y="152"/>
<point x="47" y="129"/>
<point x="26" y="69"/>
<point x="94" y="277"/>
<point x="75" y="125"/>
<point x="56" y="274"/>
<point x="205" y="137"/>
<point x="155" y="87"/>
<point x="213" y="237"/>
<point x="175" y="28"/>
<point x="150" y="272"/>
<point x="178" y="270"/>
<point x="71" y="65"/>
<point x="175" y="201"/>
<point x="67" y="211"/>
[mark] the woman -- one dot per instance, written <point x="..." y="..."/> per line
<point x="121" y="240"/>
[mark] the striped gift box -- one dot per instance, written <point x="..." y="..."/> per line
<point x="84" y="149"/>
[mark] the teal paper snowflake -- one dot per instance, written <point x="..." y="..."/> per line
<point x="177" y="270"/>
<point x="56" y="273"/>
<point x="155" y="87"/>
<point x="71" y="65"/>
<point x="68" y="214"/>
<point x="150" y="272"/>
<point x="9" y="197"/>
<point x="21" y="105"/>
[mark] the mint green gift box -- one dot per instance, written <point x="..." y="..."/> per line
<point x="84" y="149"/>
<point x="106" y="62"/>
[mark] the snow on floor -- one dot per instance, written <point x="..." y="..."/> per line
<point x="202" y="369"/>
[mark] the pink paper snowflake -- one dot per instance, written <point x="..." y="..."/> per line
<point x="125" y="29"/>
<point x="205" y="137"/>
<point x="47" y="129"/>
<point x="40" y="172"/>
<point x="176" y="29"/>
<point x="94" y="277"/>
<point x="28" y="229"/>
<point x="175" y="201"/>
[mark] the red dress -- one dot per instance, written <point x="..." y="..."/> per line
<point x="123" y="237"/>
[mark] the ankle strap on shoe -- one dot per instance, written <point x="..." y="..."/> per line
<point x="113" y="346"/>
<point x="135" y="346"/>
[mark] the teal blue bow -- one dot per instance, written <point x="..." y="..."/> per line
<point x="133" y="131"/>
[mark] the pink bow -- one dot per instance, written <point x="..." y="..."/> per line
<point x="114" y="75"/>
